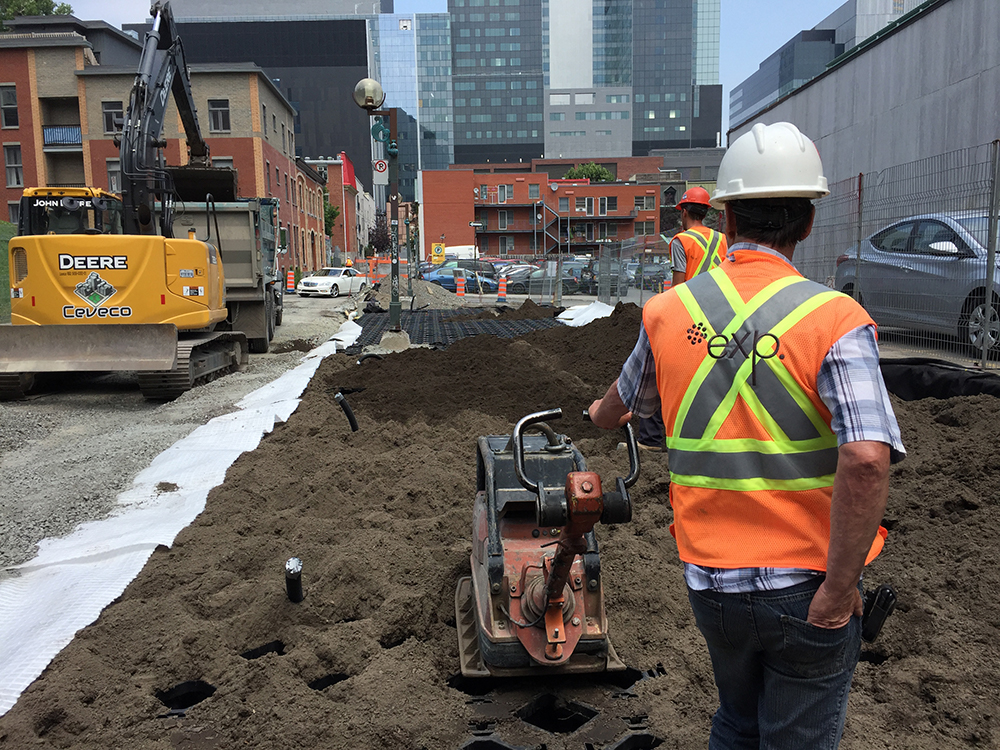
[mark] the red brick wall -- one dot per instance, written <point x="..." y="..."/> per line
<point x="448" y="208"/>
<point x="14" y="69"/>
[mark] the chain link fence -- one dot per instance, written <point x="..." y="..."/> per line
<point x="916" y="245"/>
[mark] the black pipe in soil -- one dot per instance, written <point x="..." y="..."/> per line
<point x="293" y="579"/>
<point x="339" y="398"/>
<point x="369" y="355"/>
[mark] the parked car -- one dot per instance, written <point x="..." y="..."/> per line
<point x="448" y="279"/>
<point x="482" y="267"/>
<point x="332" y="282"/>
<point x="926" y="273"/>
<point x="653" y="276"/>
<point x="540" y="281"/>
<point x="590" y="277"/>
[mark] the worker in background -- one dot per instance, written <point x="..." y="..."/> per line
<point x="697" y="248"/>
<point x="779" y="439"/>
<point x="693" y="250"/>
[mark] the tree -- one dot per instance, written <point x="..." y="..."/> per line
<point x="591" y="171"/>
<point x="378" y="234"/>
<point x="330" y="214"/>
<point x="11" y="8"/>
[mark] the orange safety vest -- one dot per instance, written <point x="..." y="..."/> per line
<point x="704" y="249"/>
<point x="750" y="450"/>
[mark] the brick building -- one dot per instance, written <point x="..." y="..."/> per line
<point x="529" y="214"/>
<point x="61" y="110"/>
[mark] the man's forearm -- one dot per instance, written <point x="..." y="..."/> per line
<point x="610" y="411"/>
<point x="860" y="489"/>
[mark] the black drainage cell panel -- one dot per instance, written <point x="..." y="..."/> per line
<point x="553" y="714"/>
<point x="324" y="682"/>
<point x="181" y="697"/>
<point x="488" y="743"/>
<point x="274" y="647"/>
<point x="641" y="741"/>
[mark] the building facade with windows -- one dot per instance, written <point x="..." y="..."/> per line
<point x="529" y="214"/>
<point x="61" y="111"/>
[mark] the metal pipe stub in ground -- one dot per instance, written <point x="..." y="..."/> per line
<point x="293" y="579"/>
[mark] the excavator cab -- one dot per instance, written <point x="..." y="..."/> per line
<point x="69" y="211"/>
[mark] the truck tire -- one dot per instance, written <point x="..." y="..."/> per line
<point x="262" y="344"/>
<point x="279" y="310"/>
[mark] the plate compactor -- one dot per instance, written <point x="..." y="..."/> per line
<point x="535" y="603"/>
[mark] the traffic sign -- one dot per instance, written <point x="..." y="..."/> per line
<point x="380" y="172"/>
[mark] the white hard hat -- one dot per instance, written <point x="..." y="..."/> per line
<point x="771" y="161"/>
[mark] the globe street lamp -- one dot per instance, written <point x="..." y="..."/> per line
<point x="368" y="95"/>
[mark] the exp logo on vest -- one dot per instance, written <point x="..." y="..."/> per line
<point x="752" y="345"/>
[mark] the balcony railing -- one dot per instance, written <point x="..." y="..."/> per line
<point x="62" y="135"/>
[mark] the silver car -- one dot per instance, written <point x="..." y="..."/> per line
<point x="927" y="273"/>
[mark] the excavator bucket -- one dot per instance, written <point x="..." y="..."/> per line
<point x="194" y="183"/>
<point x="79" y="348"/>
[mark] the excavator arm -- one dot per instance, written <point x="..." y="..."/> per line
<point x="145" y="179"/>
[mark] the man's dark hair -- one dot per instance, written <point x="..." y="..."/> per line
<point x="775" y="222"/>
<point x="698" y="212"/>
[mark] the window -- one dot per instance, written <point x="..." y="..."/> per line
<point x="584" y="98"/>
<point x="277" y="178"/>
<point x="645" y="202"/>
<point x="645" y="228"/>
<point x="533" y="190"/>
<point x="218" y="115"/>
<point x="506" y="193"/>
<point x="616" y="98"/>
<point x="222" y="162"/>
<point x="557" y="116"/>
<point x="502" y="218"/>
<point x="114" y="168"/>
<point x="14" y="211"/>
<point x="12" y="157"/>
<point x="114" y="116"/>
<point x="895" y="239"/>
<point x="8" y="106"/>
<point x="563" y="205"/>
<point x="559" y="100"/>
<point x="284" y="146"/>
<point x="581" y="204"/>
<point x="274" y="123"/>
<point x="267" y="175"/>
<point x="506" y="245"/>
<point x="602" y="206"/>
<point x="612" y="202"/>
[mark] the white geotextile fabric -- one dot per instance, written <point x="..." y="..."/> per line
<point x="73" y="578"/>
<point x="583" y="314"/>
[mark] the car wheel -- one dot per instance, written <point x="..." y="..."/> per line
<point x="849" y="291"/>
<point x="334" y="291"/>
<point x="980" y="321"/>
<point x="361" y="289"/>
<point x="517" y="289"/>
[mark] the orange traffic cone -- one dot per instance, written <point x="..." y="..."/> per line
<point x="502" y="294"/>
<point x="290" y="283"/>
<point x="460" y="286"/>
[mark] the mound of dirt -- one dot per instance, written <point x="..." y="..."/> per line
<point x="381" y="519"/>
<point x="528" y="310"/>
<point x="433" y="296"/>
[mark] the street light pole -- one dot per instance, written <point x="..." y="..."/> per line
<point x="369" y="95"/>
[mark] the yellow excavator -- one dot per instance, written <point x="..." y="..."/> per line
<point x="100" y="283"/>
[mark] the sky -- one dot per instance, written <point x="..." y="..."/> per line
<point x="751" y="29"/>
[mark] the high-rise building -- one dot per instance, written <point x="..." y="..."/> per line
<point x="807" y="54"/>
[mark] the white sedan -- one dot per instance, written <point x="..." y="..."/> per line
<point x="332" y="282"/>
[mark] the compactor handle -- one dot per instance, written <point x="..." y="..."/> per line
<point x="633" y="452"/>
<point x="517" y="440"/>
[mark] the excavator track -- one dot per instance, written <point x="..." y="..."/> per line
<point x="15" y="386"/>
<point x="199" y="360"/>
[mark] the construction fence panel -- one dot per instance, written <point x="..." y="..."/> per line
<point x="915" y="244"/>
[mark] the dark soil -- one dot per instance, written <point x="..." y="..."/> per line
<point x="382" y="521"/>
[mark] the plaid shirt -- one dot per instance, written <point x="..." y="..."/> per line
<point x="850" y="385"/>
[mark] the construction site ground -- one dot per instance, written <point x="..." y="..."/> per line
<point x="381" y="519"/>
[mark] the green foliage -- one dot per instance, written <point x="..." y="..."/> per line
<point x="12" y="8"/>
<point x="378" y="234"/>
<point x="330" y="215"/>
<point x="7" y="230"/>
<point x="590" y="171"/>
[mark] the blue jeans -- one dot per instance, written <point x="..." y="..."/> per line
<point x="783" y="683"/>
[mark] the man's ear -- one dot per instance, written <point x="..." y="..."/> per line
<point x="812" y="218"/>
<point x="730" y="225"/>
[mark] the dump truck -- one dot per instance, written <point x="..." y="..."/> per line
<point x="100" y="282"/>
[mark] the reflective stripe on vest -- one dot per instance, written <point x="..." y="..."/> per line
<point x="801" y="453"/>
<point x="710" y="249"/>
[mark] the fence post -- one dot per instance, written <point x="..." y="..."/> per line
<point x="991" y="249"/>
<point x="857" y="246"/>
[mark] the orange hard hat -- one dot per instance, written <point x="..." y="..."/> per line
<point x="696" y="195"/>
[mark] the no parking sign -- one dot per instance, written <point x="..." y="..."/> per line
<point x="380" y="172"/>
